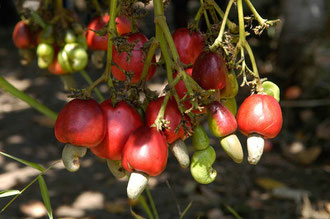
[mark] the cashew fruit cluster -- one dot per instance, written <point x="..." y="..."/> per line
<point x="134" y="127"/>
<point x="134" y="138"/>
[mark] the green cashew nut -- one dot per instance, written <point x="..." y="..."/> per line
<point x="271" y="89"/>
<point x="71" y="155"/>
<point x="201" y="166"/>
<point x="200" y="139"/>
<point x="116" y="168"/>
<point x="232" y="146"/>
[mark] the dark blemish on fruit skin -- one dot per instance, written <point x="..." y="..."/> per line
<point x="76" y="161"/>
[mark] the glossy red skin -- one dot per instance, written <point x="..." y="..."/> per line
<point x="145" y="151"/>
<point x="210" y="71"/>
<point x="121" y="121"/>
<point x="133" y="63"/>
<point x="96" y="42"/>
<point x="80" y="123"/>
<point x="182" y="90"/>
<point x="188" y="44"/>
<point x="172" y="114"/>
<point x="56" y="68"/>
<point x="22" y="36"/>
<point x="260" y="113"/>
<point x="225" y="121"/>
<point x="123" y="25"/>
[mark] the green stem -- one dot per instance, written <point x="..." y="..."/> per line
<point x="111" y="30"/>
<point x="199" y="14"/>
<point x="253" y="61"/>
<point x="8" y="87"/>
<point x="97" y="6"/>
<point x="214" y="16"/>
<point x="206" y="17"/>
<point x="59" y="5"/>
<point x="165" y="39"/>
<point x="162" y="23"/>
<point x="232" y="26"/>
<point x="255" y="12"/>
<point x="90" y="82"/>
<point x="26" y="187"/>
<point x="242" y="39"/>
<point x="150" y="55"/>
<point x="153" y="206"/>
<point x="218" y="40"/>
<point x="158" y="121"/>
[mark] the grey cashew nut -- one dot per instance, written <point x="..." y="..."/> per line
<point x="136" y="184"/>
<point x="180" y="151"/>
<point x="71" y="156"/>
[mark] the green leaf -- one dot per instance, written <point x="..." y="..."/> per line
<point x="7" y="193"/>
<point x="28" y="163"/>
<point x="45" y="196"/>
<point x="135" y="215"/>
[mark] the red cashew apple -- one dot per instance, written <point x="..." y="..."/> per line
<point x="121" y="121"/>
<point x="222" y="124"/>
<point x="22" y="36"/>
<point x="182" y="91"/>
<point x="189" y="44"/>
<point x="172" y="115"/>
<point x="259" y="117"/>
<point x="144" y="154"/>
<point x="80" y="123"/>
<point x="210" y="70"/>
<point x="96" y="42"/>
<point x="133" y="61"/>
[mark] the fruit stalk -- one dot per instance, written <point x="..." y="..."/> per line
<point x="150" y="55"/>
<point x="110" y="31"/>
<point x="160" y="117"/>
<point x="261" y="21"/>
<point x="206" y="17"/>
<point x="90" y="82"/>
<point x="218" y="40"/>
<point x="232" y="26"/>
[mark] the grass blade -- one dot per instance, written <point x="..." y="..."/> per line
<point x="28" y="163"/>
<point x="186" y="209"/>
<point x="45" y="196"/>
<point x="7" y="193"/>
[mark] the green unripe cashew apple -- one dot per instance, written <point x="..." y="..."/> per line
<point x="201" y="166"/>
